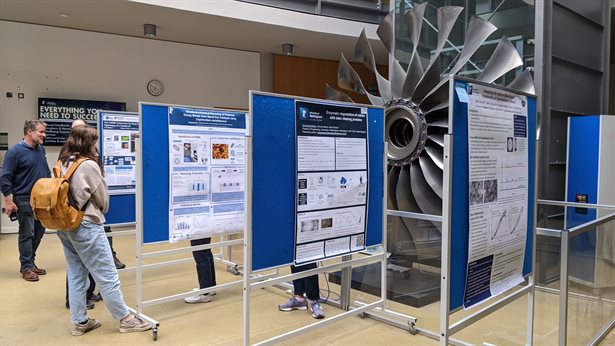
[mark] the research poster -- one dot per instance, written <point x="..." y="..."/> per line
<point x="332" y="180"/>
<point x="59" y="114"/>
<point x="117" y="150"/>
<point x="498" y="191"/>
<point x="207" y="169"/>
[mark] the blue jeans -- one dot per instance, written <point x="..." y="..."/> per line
<point x="86" y="250"/>
<point x="30" y="233"/>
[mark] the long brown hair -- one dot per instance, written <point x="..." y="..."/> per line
<point x="81" y="144"/>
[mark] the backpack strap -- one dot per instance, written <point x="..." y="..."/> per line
<point x="57" y="169"/>
<point x="73" y="167"/>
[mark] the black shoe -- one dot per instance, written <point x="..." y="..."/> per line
<point x="95" y="297"/>
<point x="118" y="263"/>
<point x="89" y="305"/>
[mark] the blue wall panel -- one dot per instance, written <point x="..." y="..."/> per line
<point x="155" y="172"/>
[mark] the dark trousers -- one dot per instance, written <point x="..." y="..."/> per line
<point x="30" y="233"/>
<point x="309" y="285"/>
<point x="110" y="239"/>
<point x="204" y="259"/>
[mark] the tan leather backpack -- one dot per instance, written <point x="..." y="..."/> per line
<point x="50" y="200"/>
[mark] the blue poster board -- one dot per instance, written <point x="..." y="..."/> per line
<point x="459" y="216"/>
<point x="154" y="134"/>
<point x="273" y="177"/>
<point x="122" y="199"/>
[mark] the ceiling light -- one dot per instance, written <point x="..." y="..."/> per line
<point x="63" y="15"/>
<point x="149" y="30"/>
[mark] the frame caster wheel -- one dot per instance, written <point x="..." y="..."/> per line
<point x="235" y="270"/>
<point x="155" y="333"/>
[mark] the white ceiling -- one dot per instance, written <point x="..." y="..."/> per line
<point x="179" y="25"/>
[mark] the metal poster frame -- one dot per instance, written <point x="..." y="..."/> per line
<point x="253" y="281"/>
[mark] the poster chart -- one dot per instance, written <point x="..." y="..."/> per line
<point x="331" y="181"/>
<point x="59" y="114"/>
<point x="117" y="130"/>
<point x="498" y="190"/>
<point x="207" y="168"/>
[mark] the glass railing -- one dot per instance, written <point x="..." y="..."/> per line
<point x="367" y="11"/>
<point x="575" y="272"/>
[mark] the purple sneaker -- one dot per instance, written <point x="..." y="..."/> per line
<point x="317" y="311"/>
<point x="294" y="304"/>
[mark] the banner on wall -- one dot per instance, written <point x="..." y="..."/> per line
<point x="60" y="113"/>
<point x="207" y="169"/>
<point x="498" y="190"/>
<point x="331" y="181"/>
<point x="117" y="150"/>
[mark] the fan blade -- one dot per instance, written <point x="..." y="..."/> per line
<point x="437" y="108"/>
<point x="332" y="94"/>
<point x="478" y="31"/>
<point x="385" y="32"/>
<point x="415" y="72"/>
<point x="523" y="83"/>
<point x="414" y="20"/>
<point x="436" y="97"/>
<point x="447" y="16"/>
<point x="442" y="122"/>
<point x="446" y="20"/>
<point x="436" y="153"/>
<point x="405" y="199"/>
<point x="432" y="174"/>
<point x="347" y="78"/>
<point x="504" y="58"/>
<point x="397" y="75"/>
<point x="392" y="179"/>
<point x="437" y="138"/>
<point x="364" y="54"/>
<point x="429" y="79"/>
<point x="426" y="198"/>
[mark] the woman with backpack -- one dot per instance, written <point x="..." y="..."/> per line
<point x="86" y="248"/>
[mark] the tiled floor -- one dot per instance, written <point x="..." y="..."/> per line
<point x="33" y="313"/>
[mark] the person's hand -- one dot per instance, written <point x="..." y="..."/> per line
<point x="10" y="206"/>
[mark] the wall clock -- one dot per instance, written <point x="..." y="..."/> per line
<point x="155" y="87"/>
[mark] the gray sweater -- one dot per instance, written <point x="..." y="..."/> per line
<point x="88" y="184"/>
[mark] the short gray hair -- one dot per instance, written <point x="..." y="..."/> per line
<point x="32" y="125"/>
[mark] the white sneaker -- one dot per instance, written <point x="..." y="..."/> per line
<point x="199" y="298"/>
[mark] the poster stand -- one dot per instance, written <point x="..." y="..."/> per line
<point x="455" y="247"/>
<point x="273" y="126"/>
<point x="152" y="212"/>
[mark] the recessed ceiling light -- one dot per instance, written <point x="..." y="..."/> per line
<point x="63" y="15"/>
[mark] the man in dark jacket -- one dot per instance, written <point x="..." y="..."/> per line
<point x="25" y="163"/>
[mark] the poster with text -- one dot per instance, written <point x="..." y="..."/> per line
<point x="498" y="191"/>
<point x="59" y="114"/>
<point x="117" y="150"/>
<point x="331" y="180"/>
<point x="207" y="157"/>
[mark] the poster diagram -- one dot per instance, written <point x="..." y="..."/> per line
<point x="332" y="180"/>
<point x="118" y="150"/>
<point x="207" y="167"/>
